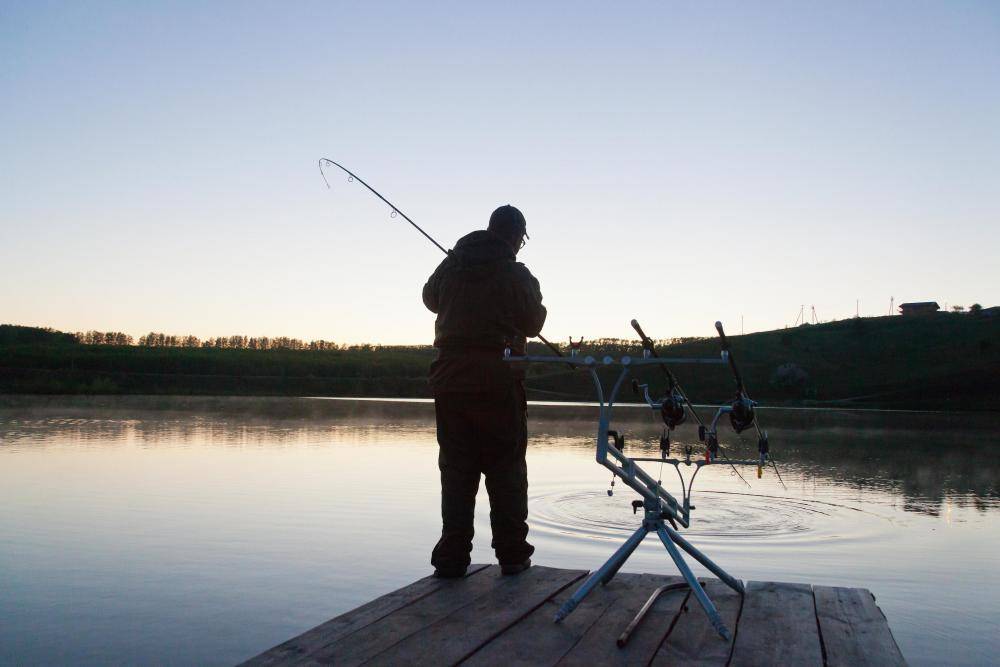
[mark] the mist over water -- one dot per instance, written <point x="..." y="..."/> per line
<point x="202" y="530"/>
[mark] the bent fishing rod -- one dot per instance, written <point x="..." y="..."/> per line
<point x="351" y="176"/>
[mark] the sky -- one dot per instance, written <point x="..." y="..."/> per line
<point x="677" y="162"/>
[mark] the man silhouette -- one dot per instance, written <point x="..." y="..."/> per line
<point x="485" y="300"/>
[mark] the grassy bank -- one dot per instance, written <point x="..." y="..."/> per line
<point x="947" y="360"/>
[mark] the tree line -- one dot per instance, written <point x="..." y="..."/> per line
<point x="157" y="339"/>
<point x="103" y="338"/>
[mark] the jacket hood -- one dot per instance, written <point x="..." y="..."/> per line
<point x="482" y="247"/>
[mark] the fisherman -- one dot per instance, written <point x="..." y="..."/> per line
<point x="485" y="301"/>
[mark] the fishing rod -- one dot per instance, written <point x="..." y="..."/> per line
<point x="743" y="414"/>
<point x="351" y="177"/>
<point x="673" y="414"/>
<point x="354" y="177"/>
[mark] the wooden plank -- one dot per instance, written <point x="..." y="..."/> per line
<point x="456" y="636"/>
<point x="854" y="630"/>
<point x="412" y="620"/>
<point x="598" y="647"/>
<point x="487" y="619"/>
<point x="297" y="649"/>
<point x="537" y="640"/>
<point x="693" y="640"/>
<point x="777" y="626"/>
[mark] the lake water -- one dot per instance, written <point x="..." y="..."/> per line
<point x="202" y="531"/>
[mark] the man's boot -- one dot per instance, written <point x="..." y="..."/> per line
<point x="515" y="568"/>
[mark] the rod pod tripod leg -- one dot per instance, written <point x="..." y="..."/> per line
<point x="654" y="524"/>
<point x="699" y="593"/>
<point x="598" y="576"/>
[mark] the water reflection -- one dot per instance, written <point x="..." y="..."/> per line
<point x="233" y="523"/>
<point x="930" y="460"/>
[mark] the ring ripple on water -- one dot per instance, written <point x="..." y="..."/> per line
<point x="592" y="515"/>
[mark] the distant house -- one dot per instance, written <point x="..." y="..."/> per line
<point x="919" y="308"/>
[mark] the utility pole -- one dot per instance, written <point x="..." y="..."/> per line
<point x="857" y="308"/>
<point x="892" y="300"/>
<point x="741" y="325"/>
<point x="815" y="319"/>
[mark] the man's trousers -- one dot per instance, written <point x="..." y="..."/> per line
<point x="482" y="434"/>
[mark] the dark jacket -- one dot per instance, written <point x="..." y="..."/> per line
<point x="484" y="299"/>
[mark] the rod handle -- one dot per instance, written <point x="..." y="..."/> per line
<point x="722" y="335"/>
<point x="646" y="341"/>
<point x="732" y="361"/>
<point x="638" y="330"/>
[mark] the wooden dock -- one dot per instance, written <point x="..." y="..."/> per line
<point x="490" y="619"/>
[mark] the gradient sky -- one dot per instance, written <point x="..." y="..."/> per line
<point x="677" y="162"/>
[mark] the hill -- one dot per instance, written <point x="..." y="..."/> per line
<point x="947" y="361"/>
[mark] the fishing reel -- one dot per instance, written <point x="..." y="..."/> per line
<point x="672" y="410"/>
<point x="742" y="414"/>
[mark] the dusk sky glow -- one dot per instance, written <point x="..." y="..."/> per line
<point x="676" y="162"/>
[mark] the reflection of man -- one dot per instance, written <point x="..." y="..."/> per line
<point x="484" y="300"/>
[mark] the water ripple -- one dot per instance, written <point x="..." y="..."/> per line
<point x="592" y="515"/>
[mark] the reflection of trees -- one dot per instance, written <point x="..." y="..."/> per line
<point x="218" y="421"/>
<point x="925" y="459"/>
